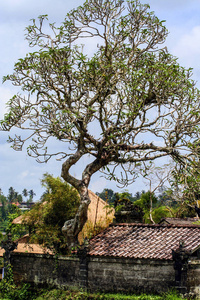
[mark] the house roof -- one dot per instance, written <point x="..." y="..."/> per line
<point x="28" y="248"/>
<point x="179" y="221"/>
<point x="24" y="246"/>
<point x="96" y="211"/>
<point x="144" y="240"/>
<point x="32" y="248"/>
<point x="18" y="220"/>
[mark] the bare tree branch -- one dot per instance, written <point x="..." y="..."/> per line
<point x="142" y="102"/>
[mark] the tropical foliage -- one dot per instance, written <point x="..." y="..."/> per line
<point x="46" y="219"/>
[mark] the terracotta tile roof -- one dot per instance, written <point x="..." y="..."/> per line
<point x="144" y="240"/>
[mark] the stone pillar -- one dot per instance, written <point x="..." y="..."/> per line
<point x="84" y="259"/>
<point x="180" y="258"/>
<point x="8" y="246"/>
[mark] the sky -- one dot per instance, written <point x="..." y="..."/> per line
<point x="19" y="170"/>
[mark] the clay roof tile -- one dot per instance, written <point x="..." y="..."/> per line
<point x="144" y="240"/>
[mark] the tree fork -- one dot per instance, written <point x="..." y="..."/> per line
<point x="73" y="227"/>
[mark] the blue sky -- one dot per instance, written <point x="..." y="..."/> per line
<point x="16" y="168"/>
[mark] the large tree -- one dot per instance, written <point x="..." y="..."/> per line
<point x="125" y="103"/>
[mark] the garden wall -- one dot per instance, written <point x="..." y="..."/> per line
<point x="95" y="273"/>
<point x="193" y="276"/>
<point x="41" y="269"/>
<point x="120" y="274"/>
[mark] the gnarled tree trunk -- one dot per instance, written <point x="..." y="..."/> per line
<point x="73" y="227"/>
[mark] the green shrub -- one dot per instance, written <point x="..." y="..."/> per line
<point x="9" y="290"/>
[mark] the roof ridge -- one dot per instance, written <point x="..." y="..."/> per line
<point x="155" y="225"/>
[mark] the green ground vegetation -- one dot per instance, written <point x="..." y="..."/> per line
<point x="25" y="293"/>
<point x="70" y="295"/>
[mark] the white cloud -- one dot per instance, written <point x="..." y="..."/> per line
<point x="23" y="175"/>
<point x="187" y="47"/>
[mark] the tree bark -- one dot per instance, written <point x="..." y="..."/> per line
<point x="72" y="227"/>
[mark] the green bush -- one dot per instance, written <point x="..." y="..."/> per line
<point x="9" y="290"/>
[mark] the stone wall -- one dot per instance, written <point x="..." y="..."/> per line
<point x="96" y="274"/>
<point x="102" y="273"/>
<point x="43" y="269"/>
<point x="193" y="276"/>
<point x="119" y="274"/>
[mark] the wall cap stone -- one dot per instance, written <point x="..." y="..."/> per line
<point x="130" y="260"/>
<point x="47" y="256"/>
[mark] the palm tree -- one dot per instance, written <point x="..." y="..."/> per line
<point x="31" y="194"/>
<point x="25" y="193"/>
<point x="11" y="194"/>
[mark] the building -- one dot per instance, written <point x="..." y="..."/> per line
<point x="124" y="257"/>
<point x="98" y="215"/>
<point x="147" y="257"/>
